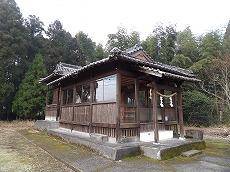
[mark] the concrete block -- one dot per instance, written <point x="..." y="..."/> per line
<point x="124" y="151"/>
<point x="151" y="152"/>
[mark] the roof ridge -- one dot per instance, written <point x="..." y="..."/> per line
<point x="134" y="49"/>
<point x="69" y="65"/>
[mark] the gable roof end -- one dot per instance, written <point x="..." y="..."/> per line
<point x="61" y="69"/>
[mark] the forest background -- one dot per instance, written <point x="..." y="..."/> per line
<point x="29" y="51"/>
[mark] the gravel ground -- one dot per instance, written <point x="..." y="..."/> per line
<point x="19" y="154"/>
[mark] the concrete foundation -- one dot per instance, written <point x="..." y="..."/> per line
<point x="165" y="149"/>
<point x="106" y="146"/>
<point x="149" y="136"/>
<point x="50" y="118"/>
<point x="99" y="137"/>
<point x="112" y="151"/>
<point x="46" y="124"/>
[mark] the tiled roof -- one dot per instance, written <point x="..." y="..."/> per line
<point x="157" y="65"/>
<point x="76" y="72"/>
<point x="166" y="70"/>
<point x="64" y="68"/>
<point x="61" y="69"/>
<point x="160" y="73"/>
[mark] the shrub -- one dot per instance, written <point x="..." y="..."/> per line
<point x="197" y="108"/>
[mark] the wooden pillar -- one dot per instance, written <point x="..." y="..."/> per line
<point x="180" y="113"/>
<point x="118" y="100"/>
<point x="58" y="103"/>
<point x="91" y="106"/>
<point x="47" y="96"/>
<point x="137" y="107"/>
<point x="155" y="119"/>
<point x="73" y="103"/>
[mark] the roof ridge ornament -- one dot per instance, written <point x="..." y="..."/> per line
<point x="115" y="50"/>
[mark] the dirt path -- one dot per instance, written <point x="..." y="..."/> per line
<point x="19" y="154"/>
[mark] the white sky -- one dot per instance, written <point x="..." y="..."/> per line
<point x="98" y="18"/>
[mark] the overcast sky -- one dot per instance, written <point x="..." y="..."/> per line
<point x="98" y="18"/>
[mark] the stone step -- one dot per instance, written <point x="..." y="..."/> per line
<point x="191" y="153"/>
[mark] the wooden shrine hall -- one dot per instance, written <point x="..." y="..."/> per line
<point x="126" y="95"/>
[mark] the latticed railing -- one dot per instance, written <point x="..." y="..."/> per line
<point x="128" y="114"/>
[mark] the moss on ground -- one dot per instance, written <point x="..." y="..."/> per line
<point x="176" y="151"/>
<point x="43" y="138"/>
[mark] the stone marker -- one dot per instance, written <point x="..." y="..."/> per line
<point x="195" y="134"/>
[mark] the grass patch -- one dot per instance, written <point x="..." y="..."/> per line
<point x="217" y="147"/>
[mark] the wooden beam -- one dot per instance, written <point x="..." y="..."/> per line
<point x="118" y="97"/>
<point x="128" y="125"/>
<point x="170" y="88"/>
<point x="104" y="125"/>
<point x="155" y="120"/>
<point x="137" y="106"/>
<point x="180" y="112"/>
